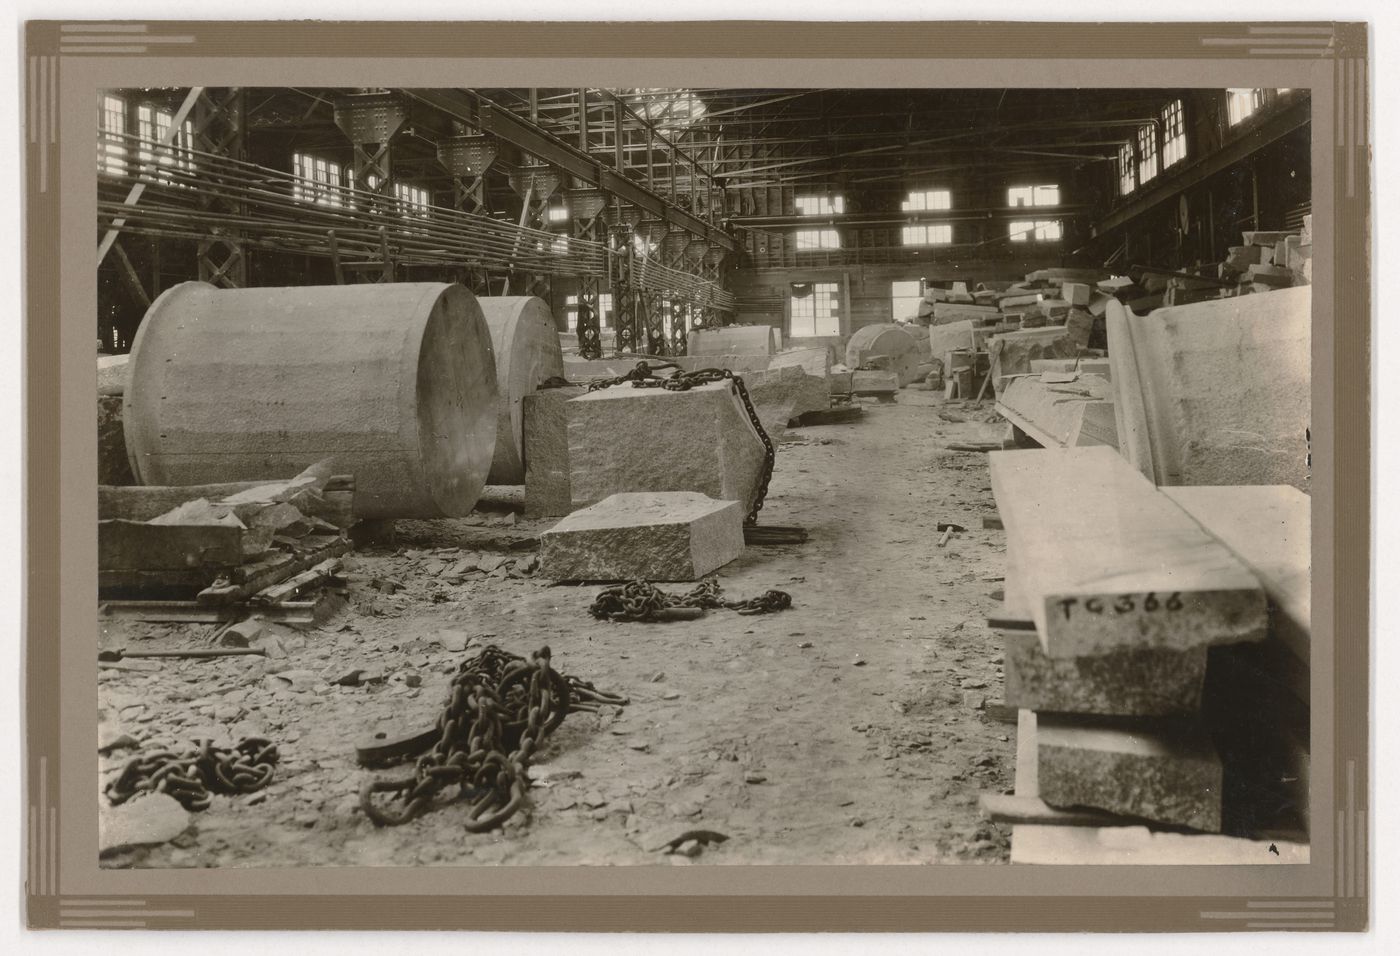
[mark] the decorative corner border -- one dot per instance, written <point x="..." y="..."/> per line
<point x="113" y="39"/>
<point x="42" y="115"/>
<point x="1296" y="41"/>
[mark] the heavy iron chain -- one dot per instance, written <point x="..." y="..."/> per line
<point x="642" y="600"/>
<point x="500" y="708"/>
<point x="643" y="376"/>
<point x="192" y="777"/>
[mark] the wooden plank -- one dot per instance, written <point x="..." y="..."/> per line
<point x="284" y="591"/>
<point x="144" y="502"/>
<point x="1269" y="528"/>
<point x="1104" y="561"/>
<point x="136" y="545"/>
<point x="248" y="580"/>
<point x="1128" y="846"/>
<point x="1013" y="808"/>
<point x="1027" y="781"/>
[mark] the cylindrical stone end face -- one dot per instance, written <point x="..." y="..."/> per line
<point x="395" y="382"/>
<point x="526" y="344"/>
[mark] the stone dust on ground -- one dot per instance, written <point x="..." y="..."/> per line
<point x="849" y="729"/>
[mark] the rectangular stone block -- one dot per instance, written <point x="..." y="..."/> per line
<point x="671" y="536"/>
<point x="874" y="383"/>
<point x="1148" y="683"/>
<point x="1171" y="776"/>
<point x="625" y="439"/>
<point x="812" y="360"/>
<point x="1076" y="293"/>
<point x="839" y="383"/>
<point x="545" y="446"/>
<point x="731" y="340"/>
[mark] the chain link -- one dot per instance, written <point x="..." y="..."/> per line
<point x="500" y="708"/>
<point x="643" y="601"/>
<point x="192" y="777"/>
<point x="643" y="376"/>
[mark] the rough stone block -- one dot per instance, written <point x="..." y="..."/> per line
<point x="546" y="446"/>
<point x="782" y="394"/>
<point x="1148" y="683"/>
<point x="671" y="536"/>
<point x="839" y="383"/>
<point x="1166" y="776"/>
<point x="740" y="363"/>
<point x="1076" y="293"/>
<point x="733" y="339"/>
<point x="874" y="383"/>
<point x="112" y="371"/>
<point x="1266" y="238"/>
<point x="113" y="465"/>
<point x="649" y="439"/>
<point x="815" y="361"/>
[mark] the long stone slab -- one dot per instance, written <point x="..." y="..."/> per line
<point x="731" y="340"/>
<point x="1216" y="393"/>
<point x="1269" y="528"/>
<point x="545" y="441"/>
<point x="1150" y="683"/>
<point x="667" y="536"/>
<point x="1105" y="562"/>
<point x="1053" y="413"/>
<point x="1165" y="776"/>
<point x="650" y="439"/>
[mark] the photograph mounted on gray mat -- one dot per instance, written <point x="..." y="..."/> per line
<point x="552" y="477"/>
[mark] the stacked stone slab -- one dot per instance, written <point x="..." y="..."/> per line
<point x="1127" y="594"/>
<point x="624" y="439"/>
<point x="671" y="536"/>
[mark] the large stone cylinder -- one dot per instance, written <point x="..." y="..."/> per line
<point x="396" y="382"/>
<point x="527" y="352"/>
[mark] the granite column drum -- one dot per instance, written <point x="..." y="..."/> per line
<point x="527" y="352"/>
<point x="395" y="382"/>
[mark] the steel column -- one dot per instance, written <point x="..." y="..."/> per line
<point x="220" y="128"/>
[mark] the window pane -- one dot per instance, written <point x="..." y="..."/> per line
<point x="1021" y="231"/>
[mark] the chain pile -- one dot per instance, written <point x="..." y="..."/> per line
<point x="500" y="708"/>
<point x="642" y="601"/>
<point x="194" y="776"/>
<point x="643" y="376"/>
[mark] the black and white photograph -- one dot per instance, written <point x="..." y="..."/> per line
<point x="703" y="476"/>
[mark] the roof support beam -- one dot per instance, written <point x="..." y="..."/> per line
<point x="521" y="133"/>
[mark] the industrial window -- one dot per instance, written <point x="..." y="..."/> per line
<point x="413" y="200"/>
<point x="1173" y="134"/>
<point x="1242" y="104"/>
<point x="604" y="311"/>
<point x="938" y="235"/>
<point x="1127" y="170"/>
<point x="816" y="309"/>
<point x="927" y="199"/>
<point x="1041" y="230"/>
<point x="808" y="239"/>
<point x="111" y="149"/>
<point x="820" y="205"/>
<point x="1048" y="195"/>
<point x="317" y="180"/>
<point x="558" y="213"/>
<point x="905" y="298"/>
<point x="1147" y="152"/>
<point x="152" y="125"/>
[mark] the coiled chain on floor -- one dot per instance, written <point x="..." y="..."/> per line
<point x="192" y="777"/>
<point x="642" y="601"/>
<point x="500" y="708"/>
<point x="643" y="376"/>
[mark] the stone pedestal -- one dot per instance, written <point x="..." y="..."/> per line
<point x="670" y="536"/>
<point x="648" y="439"/>
<point x="730" y="340"/>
